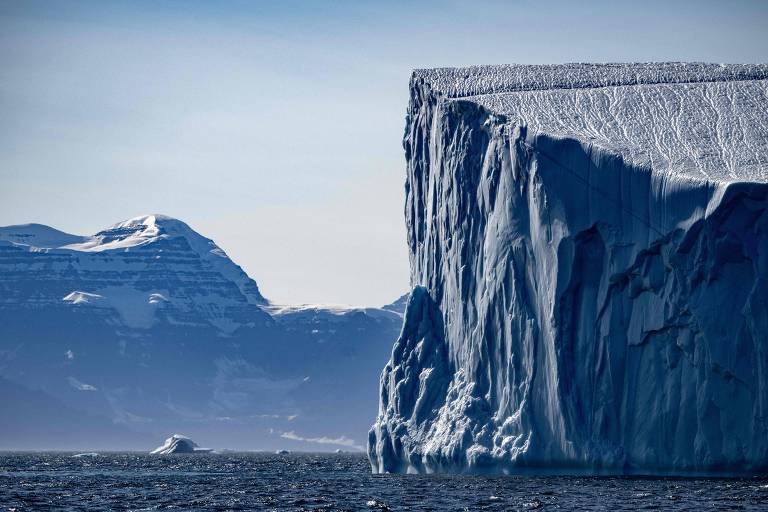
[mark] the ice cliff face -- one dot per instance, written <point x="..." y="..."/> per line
<point x="589" y="257"/>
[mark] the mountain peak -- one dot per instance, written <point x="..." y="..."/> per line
<point x="154" y="222"/>
<point x="145" y="236"/>
<point x="140" y="231"/>
<point x="38" y="235"/>
<point x="128" y="233"/>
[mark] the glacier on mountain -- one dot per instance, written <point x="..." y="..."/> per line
<point x="589" y="262"/>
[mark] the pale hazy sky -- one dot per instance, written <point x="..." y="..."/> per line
<point x="275" y="129"/>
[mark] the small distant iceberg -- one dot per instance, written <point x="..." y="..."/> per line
<point x="283" y="452"/>
<point x="82" y="455"/>
<point x="179" y="444"/>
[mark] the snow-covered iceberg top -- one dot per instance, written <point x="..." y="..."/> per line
<point x="500" y="78"/>
<point x="178" y="443"/>
<point x="688" y="120"/>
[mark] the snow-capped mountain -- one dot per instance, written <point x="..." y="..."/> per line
<point x="139" y="272"/>
<point x="589" y="256"/>
<point x="152" y="325"/>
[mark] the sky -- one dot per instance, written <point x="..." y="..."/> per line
<point x="275" y="128"/>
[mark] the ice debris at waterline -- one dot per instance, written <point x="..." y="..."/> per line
<point x="589" y="257"/>
<point x="178" y="444"/>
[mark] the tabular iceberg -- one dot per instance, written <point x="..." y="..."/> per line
<point x="589" y="263"/>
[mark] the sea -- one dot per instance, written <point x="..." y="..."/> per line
<point x="303" y="482"/>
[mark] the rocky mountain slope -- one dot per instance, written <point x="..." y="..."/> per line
<point x="151" y="326"/>
<point x="588" y="249"/>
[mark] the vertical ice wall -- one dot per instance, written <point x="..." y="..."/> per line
<point x="573" y="309"/>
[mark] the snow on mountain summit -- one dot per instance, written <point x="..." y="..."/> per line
<point x="139" y="231"/>
<point x="135" y="266"/>
<point x="37" y="235"/>
<point x="129" y="233"/>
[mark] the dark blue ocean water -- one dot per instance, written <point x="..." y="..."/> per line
<point x="124" y="481"/>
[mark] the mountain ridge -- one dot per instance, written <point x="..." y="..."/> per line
<point x="151" y="325"/>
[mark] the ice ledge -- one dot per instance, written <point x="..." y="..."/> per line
<point x="493" y="79"/>
<point x="696" y="122"/>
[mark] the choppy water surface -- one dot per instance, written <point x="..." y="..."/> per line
<point x="125" y="481"/>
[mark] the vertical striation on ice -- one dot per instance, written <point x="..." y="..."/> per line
<point x="589" y="262"/>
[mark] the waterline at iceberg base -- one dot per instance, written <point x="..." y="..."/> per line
<point x="589" y="258"/>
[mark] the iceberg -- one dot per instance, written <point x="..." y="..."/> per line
<point x="178" y="444"/>
<point x="589" y="268"/>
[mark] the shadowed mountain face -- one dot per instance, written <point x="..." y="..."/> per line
<point x="34" y="420"/>
<point x="150" y="326"/>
